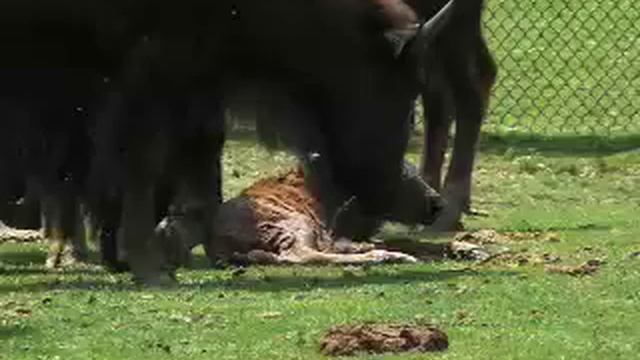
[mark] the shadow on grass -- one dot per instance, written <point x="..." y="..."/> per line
<point x="549" y="145"/>
<point x="17" y="254"/>
<point x="26" y="262"/>
<point x="18" y="259"/>
<point x="559" y="145"/>
<point x="226" y="281"/>
<point x="22" y="270"/>
<point x="517" y="143"/>
<point x="243" y="134"/>
<point x="10" y="331"/>
<point x="525" y="226"/>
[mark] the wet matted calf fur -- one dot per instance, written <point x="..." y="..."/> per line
<point x="278" y="221"/>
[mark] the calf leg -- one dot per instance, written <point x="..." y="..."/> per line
<point x="346" y="246"/>
<point x="310" y="256"/>
<point x="306" y="255"/>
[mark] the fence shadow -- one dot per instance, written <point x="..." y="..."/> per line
<point x="518" y="143"/>
<point x="559" y="145"/>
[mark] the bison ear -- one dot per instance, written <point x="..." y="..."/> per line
<point x="399" y="38"/>
<point x="399" y="20"/>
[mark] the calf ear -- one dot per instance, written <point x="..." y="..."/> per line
<point x="400" y="22"/>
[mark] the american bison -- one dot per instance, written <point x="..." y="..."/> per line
<point x="350" y="65"/>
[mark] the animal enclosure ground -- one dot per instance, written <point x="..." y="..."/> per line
<point x="553" y="202"/>
<point x="558" y="201"/>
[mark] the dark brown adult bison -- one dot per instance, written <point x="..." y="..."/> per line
<point x="349" y="67"/>
<point x="45" y="151"/>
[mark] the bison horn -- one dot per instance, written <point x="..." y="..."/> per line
<point x="421" y="34"/>
<point x="428" y="31"/>
<point x="432" y="27"/>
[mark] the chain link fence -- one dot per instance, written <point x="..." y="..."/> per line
<point x="565" y="67"/>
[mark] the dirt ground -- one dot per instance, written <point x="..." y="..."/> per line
<point x="349" y="340"/>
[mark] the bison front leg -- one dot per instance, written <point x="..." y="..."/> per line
<point x="108" y="223"/>
<point x="66" y="245"/>
<point x="438" y="110"/>
<point x="147" y="144"/>
<point x="59" y="213"/>
<point x="471" y="91"/>
<point x="201" y="173"/>
<point x="144" y="257"/>
<point x="457" y="189"/>
<point x="53" y="231"/>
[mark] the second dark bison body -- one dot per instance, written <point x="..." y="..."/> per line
<point x="459" y="73"/>
<point x="157" y="124"/>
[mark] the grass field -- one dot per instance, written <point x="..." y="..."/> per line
<point x="557" y="195"/>
<point x="576" y="198"/>
<point x="566" y="66"/>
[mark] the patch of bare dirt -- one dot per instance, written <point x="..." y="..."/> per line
<point x="488" y="236"/>
<point x="481" y="237"/>
<point x="484" y="245"/>
<point x="456" y="250"/>
<point x="9" y="234"/>
<point x="522" y="258"/>
<point x="463" y="250"/>
<point x="587" y="268"/>
<point x="349" y="340"/>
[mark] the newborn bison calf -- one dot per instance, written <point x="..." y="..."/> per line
<point x="278" y="221"/>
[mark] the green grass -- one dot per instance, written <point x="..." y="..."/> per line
<point x="563" y="71"/>
<point x="501" y="310"/>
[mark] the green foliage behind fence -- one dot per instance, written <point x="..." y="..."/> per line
<point x="565" y="67"/>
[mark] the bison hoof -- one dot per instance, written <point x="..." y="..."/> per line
<point x="449" y="220"/>
<point x="51" y="262"/>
